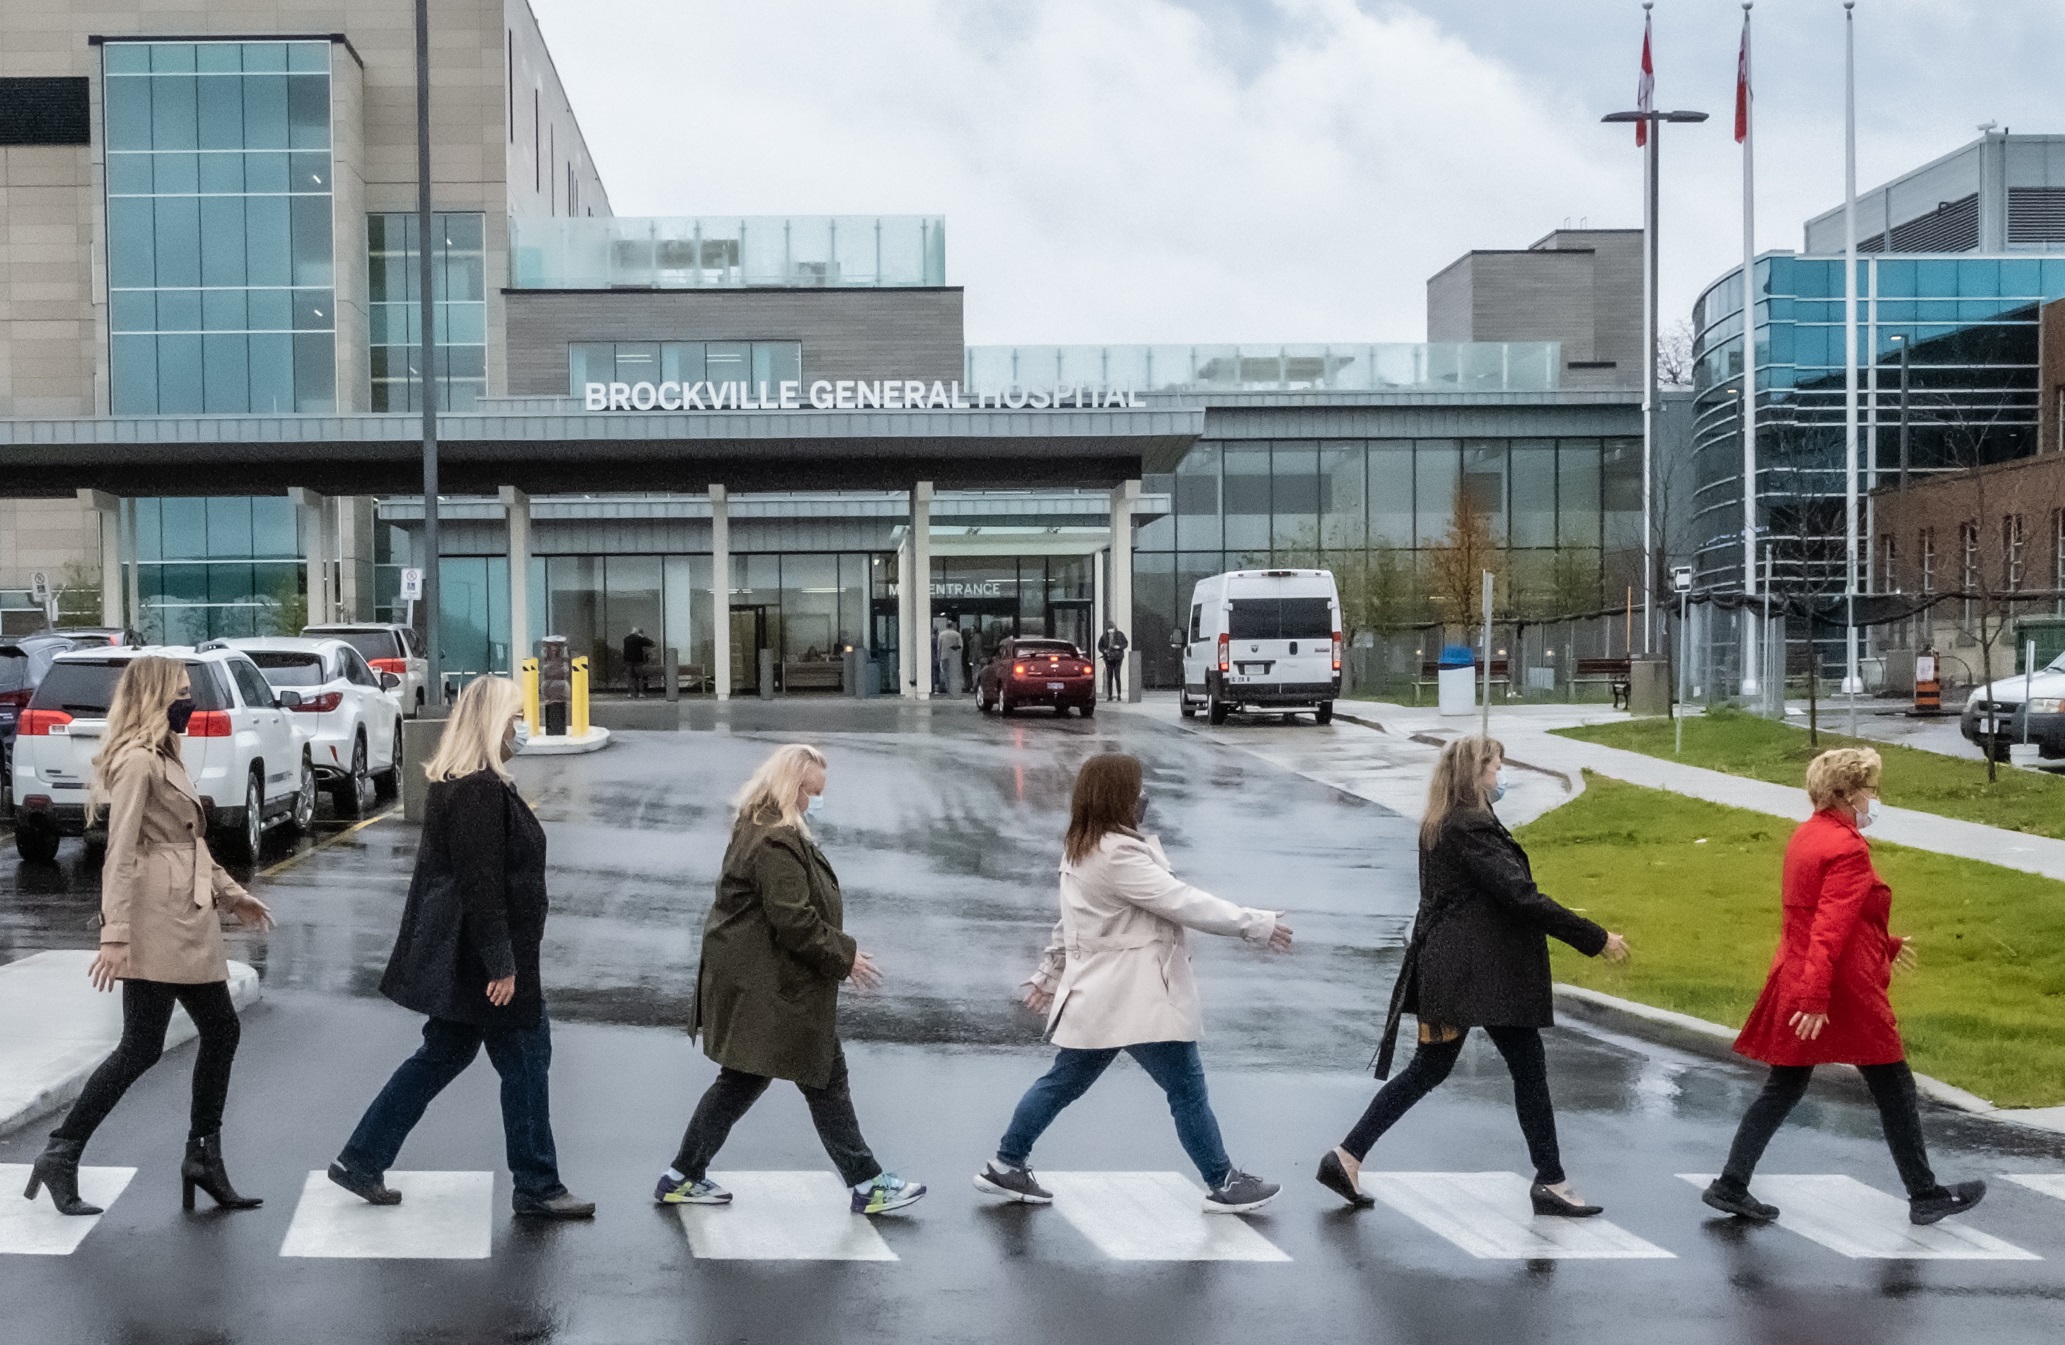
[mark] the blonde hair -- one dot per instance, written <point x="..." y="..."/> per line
<point x="472" y="740"/>
<point x="137" y="721"/>
<point x="1839" y="772"/>
<point x="775" y="793"/>
<point x="1458" y="782"/>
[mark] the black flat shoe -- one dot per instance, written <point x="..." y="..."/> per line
<point x="1741" y="1204"/>
<point x="369" y="1189"/>
<point x="1549" y="1203"/>
<point x="1946" y="1202"/>
<point x="1333" y="1175"/>
<point x="565" y="1205"/>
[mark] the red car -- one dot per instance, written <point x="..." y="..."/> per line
<point x="1028" y="671"/>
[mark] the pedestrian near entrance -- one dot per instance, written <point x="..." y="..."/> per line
<point x="1112" y="645"/>
<point x="638" y="647"/>
<point x="1478" y="957"/>
<point x="162" y="895"/>
<point x="1116" y="977"/>
<point x="951" y="681"/>
<point x="1825" y="1001"/>
<point x="466" y="957"/>
<point x="767" y="993"/>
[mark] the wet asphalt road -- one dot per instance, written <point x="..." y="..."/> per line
<point x="944" y="828"/>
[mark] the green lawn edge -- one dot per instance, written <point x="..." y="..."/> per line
<point x="1695" y="888"/>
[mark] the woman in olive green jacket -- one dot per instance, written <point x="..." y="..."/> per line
<point x="767" y="993"/>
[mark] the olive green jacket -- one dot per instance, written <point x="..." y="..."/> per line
<point x="767" y="994"/>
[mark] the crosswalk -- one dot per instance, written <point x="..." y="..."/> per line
<point x="1125" y="1216"/>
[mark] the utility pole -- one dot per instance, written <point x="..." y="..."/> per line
<point x="426" y="359"/>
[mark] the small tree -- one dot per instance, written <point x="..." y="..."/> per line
<point x="1456" y="565"/>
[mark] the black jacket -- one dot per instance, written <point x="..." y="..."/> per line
<point x="636" y="647"/>
<point x="1479" y="952"/>
<point x="476" y="907"/>
<point x="1112" y="644"/>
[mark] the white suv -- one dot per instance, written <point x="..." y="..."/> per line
<point x="249" y="763"/>
<point x="387" y="649"/>
<point x="353" y="715"/>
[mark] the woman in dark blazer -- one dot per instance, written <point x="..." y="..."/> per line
<point x="1478" y="957"/>
<point x="767" y="992"/>
<point x="467" y="957"/>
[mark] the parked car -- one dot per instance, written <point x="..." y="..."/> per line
<point x="1027" y="670"/>
<point x="247" y="760"/>
<point x="23" y="663"/>
<point x="353" y="715"/>
<point x="1262" y="640"/>
<point x="1994" y="713"/>
<point x="387" y="649"/>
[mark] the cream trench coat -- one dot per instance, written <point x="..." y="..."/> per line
<point x="160" y="889"/>
<point x="1117" y="964"/>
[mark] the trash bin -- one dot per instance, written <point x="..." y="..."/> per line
<point x="1457" y="675"/>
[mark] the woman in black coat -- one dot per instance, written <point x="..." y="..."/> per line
<point x="467" y="957"/>
<point x="1478" y="957"/>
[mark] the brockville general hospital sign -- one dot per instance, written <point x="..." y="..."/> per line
<point x="848" y="394"/>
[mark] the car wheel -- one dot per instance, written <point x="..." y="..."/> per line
<point x="35" y="844"/>
<point x="1324" y="714"/>
<point x="388" y="783"/>
<point x="354" y="793"/>
<point x="1216" y="710"/>
<point x="1089" y="708"/>
<point x="304" y="797"/>
<point x="251" y="837"/>
<point x="1004" y="705"/>
<point x="1184" y="707"/>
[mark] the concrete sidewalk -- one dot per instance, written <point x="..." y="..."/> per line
<point x="58" y="1028"/>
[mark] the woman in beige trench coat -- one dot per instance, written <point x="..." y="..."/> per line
<point x="160" y="933"/>
<point x="1116" y="976"/>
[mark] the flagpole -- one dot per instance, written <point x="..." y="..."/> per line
<point x="1852" y="682"/>
<point x="1654" y="138"/>
<point x="1745" y="103"/>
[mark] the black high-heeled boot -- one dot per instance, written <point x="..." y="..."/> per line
<point x="58" y="1169"/>
<point x="203" y="1168"/>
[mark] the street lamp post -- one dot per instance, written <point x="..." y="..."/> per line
<point x="1654" y="121"/>
<point x="426" y="355"/>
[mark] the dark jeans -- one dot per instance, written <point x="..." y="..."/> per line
<point x="521" y="1055"/>
<point x="1892" y="1087"/>
<point x="1522" y="1048"/>
<point x="634" y="678"/>
<point x="146" y="1013"/>
<point x="1111" y="677"/>
<point x="733" y="1094"/>
<point x="1175" y="1065"/>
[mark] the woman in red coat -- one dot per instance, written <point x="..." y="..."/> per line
<point x="1825" y="1003"/>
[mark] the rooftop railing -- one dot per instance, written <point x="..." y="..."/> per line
<point x="727" y="252"/>
<point x="1493" y="366"/>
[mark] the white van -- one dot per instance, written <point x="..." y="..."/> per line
<point x="1262" y="640"/>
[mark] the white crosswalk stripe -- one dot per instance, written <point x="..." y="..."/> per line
<point x="1153" y="1216"/>
<point x="35" y="1228"/>
<point x="783" y="1216"/>
<point x="1488" y="1215"/>
<point x="443" y="1216"/>
<point x="2050" y="1183"/>
<point x="1863" y="1223"/>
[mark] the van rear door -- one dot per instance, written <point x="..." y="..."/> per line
<point x="1277" y="641"/>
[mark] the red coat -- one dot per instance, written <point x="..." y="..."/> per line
<point x="1834" y="955"/>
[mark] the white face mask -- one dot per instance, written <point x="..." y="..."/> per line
<point x="816" y="806"/>
<point x="1498" y="787"/>
<point x="1869" y="815"/>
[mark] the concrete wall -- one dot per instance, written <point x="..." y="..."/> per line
<point x="1581" y="287"/>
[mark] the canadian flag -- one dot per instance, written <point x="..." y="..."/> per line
<point x="1645" y="87"/>
<point x="1742" y="85"/>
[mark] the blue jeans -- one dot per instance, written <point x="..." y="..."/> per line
<point x="1174" y="1065"/>
<point x="521" y="1055"/>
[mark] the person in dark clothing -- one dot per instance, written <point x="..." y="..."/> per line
<point x="638" y="647"/>
<point x="467" y="957"/>
<point x="1112" y="645"/>
<point x="1478" y="957"/>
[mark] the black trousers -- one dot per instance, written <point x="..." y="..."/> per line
<point x="1522" y="1048"/>
<point x="146" y="1013"/>
<point x="1900" y="1114"/>
<point x="1111" y="677"/>
<point x="733" y="1094"/>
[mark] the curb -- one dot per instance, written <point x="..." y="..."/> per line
<point x="1571" y="785"/>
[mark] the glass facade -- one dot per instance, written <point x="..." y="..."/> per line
<point x="220" y="268"/>
<point x="1478" y="366"/>
<point x="634" y="362"/>
<point x="219" y="566"/>
<point x="726" y="252"/>
<point x="394" y="308"/>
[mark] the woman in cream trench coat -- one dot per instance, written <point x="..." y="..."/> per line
<point x="1116" y="976"/>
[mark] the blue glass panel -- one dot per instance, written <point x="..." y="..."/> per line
<point x="183" y="531"/>
<point x="133" y="374"/>
<point x="315" y="372"/>
<point x="309" y="57"/>
<point x="228" y="527"/>
<point x="223" y="310"/>
<point x="311" y="239"/>
<point x="218" y="57"/>
<point x="173" y="117"/>
<point x="178" y="243"/>
<point x="222" y="172"/>
<point x="221" y="112"/>
<point x="2054" y="277"/>
<point x="1779" y="347"/>
<point x="177" y="57"/>
<point x="1896" y="280"/>
<point x="271" y="310"/>
<point x="265" y="112"/>
<point x="265" y="172"/>
<point x="272" y="372"/>
<point x="265" y="56"/>
<point x="274" y="530"/>
<point x="1898" y="310"/>
<point x="131" y="243"/>
<point x="309" y="171"/>
<point x="131" y="311"/>
<point x="268" y="250"/>
<point x="125" y="58"/>
<point x="1816" y="279"/>
<point x="129" y="174"/>
<point x="179" y="375"/>
<point x="1936" y="279"/>
<point x="179" y="310"/>
<point x="1978" y="277"/>
<point x="312" y="311"/>
<point x="466" y="324"/>
<point x="173" y="174"/>
<point x="222" y="241"/>
<point x="2021" y="279"/>
<point x="308" y="111"/>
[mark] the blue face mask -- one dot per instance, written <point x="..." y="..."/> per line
<point x="816" y="806"/>
<point x="1498" y="788"/>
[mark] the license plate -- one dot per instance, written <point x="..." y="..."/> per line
<point x="1056" y="686"/>
<point x="1987" y="725"/>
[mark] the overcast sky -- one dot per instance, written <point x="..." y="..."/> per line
<point x="1267" y="170"/>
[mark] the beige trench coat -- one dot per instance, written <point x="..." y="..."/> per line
<point x="160" y="889"/>
<point x="1117" y="964"/>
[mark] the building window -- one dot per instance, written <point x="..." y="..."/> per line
<point x="1968" y="570"/>
<point x="220" y="263"/>
<point x="750" y="362"/>
<point x="223" y="566"/>
<point x="394" y="309"/>
<point x="2012" y="535"/>
<point x="1927" y="551"/>
<point x="1889" y="575"/>
<point x="2058" y="551"/>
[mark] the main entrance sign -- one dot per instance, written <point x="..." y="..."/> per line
<point x="848" y="394"/>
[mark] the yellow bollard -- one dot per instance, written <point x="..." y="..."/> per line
<point x="528" y="675"/>
<point x="577" y="713"/>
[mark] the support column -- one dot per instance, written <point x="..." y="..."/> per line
<point x="315" y="535"/>
<point x="905" y="686"/>
<point x="517" y="506"/>
<point x="720" y="591"/>
<point x="1123" y="498"/>
<point x="921" y="585"/>
<point x="355" y="595"/>
<point x="110" y="510"/>
<point x="135" y="578"/>
<point x="1100" y="603"/>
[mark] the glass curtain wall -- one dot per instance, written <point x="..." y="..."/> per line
<point x="395" y="309"/>
<point x="220" y="566"/>
<point x="634" y="362"/>
<point x="220" y="270"/>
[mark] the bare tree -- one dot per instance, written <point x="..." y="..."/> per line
<point x="1674" y="355"/>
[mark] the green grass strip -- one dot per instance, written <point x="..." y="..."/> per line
<point x="1695" y="888"/>
<point x="1744" y="744"/>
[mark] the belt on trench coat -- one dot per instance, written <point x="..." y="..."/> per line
<point x="204" y="868"/>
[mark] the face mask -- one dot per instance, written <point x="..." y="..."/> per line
<point x="179" y="713"/>
<point x="816" y="806"/>
<point x="1498" y="787"/>
<point x="1869" y="815"/>
<point x="509" y="743"/>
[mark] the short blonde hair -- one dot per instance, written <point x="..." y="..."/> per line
<point x="774" y="794"/>
<point x="1839" y="772"/>
<point x="472" y="740"/>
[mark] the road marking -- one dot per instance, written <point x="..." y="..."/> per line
<point x="354" y="829"/>
<point x="782" y="1216"/>
<point x="1863" y="1223"/>
<point x="2049" y="1183"/>
<point x="443" y="1216"/>
<point x="1153" y="1216"/>
<point x="36" y="1228"/>
<point x="1488" y="1215"/>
